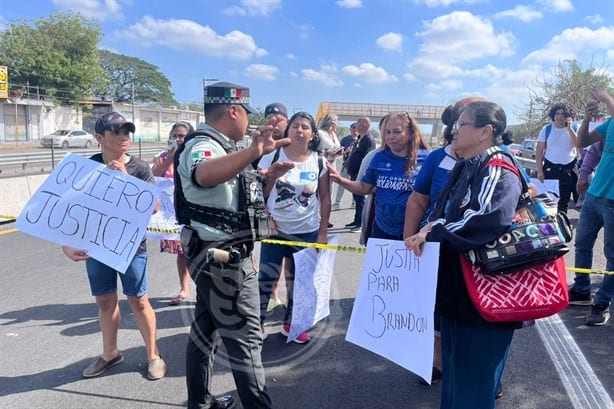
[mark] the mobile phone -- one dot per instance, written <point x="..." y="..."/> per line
<point x="172" y="144"/>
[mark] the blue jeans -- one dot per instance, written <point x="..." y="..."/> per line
<point x="271" y="257"/>
<point x="596" y="213"/>
<point x="473" y="362"/>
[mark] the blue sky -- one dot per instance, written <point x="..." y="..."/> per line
<point x="382" y="51"/>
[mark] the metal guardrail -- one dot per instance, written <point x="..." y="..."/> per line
<point x="32" y="163"/>
<point x="529" y="164"/>
<point x="36" y="158"/>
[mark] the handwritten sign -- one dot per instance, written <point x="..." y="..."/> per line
<point x="313" y="274"/>
<point x="393" y="313"/>
<point x="85" y="205"/>
<point x="549" y="185"/>
<point x="163" y="223"/>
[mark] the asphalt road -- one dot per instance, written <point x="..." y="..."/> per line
<point x="49" y="332"/>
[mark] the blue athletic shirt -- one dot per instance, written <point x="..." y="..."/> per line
<point x="393" y="186"/>
<point x="602" y="185"/>
<point x="433" y="176"/>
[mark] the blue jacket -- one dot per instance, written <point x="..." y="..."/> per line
<point x="476" y="206"/>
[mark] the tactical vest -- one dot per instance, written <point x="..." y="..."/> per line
<point x="251" y="214"/>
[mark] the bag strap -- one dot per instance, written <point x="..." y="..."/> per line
<point x="513" y="167"/>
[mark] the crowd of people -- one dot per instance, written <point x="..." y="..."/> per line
<point x="446" y="195"/>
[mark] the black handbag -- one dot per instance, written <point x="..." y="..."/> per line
<point x="538" y="233"/>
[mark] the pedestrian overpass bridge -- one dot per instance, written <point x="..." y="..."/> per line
<point x="351" y="111"/>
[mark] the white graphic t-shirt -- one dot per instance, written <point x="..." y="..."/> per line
<point x="293" y="202"/>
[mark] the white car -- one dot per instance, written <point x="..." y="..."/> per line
<point x="65" y="138"/>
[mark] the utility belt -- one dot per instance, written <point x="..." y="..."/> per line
<point x="217" y="252"/>
<point x="558" y="167"/>
<point x="222" y="262"/>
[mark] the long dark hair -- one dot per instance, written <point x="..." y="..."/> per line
<point x="314" y="143"/>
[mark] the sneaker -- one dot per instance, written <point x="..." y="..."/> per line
<point x="100" y="365"/>
<point x="600" y="314"/>
<point x="335" y="206"/>
<point x="156" y="369"/>
<point x="356" y="229"/>
<point x="330" y="225"/>
<point x="352" y="225"/>
<point x="273" y="304"/>
<point x="578" y="298"/>
<point x="302" y="338"/>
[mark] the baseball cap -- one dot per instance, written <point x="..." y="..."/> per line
<point x="113" y="121"/>
<point x="275" y="108"/>
<point x="228" y="93"/>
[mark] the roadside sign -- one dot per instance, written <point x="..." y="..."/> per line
<point x="4" y="81"/>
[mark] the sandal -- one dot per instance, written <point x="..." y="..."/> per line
<point x="178" y="299"/>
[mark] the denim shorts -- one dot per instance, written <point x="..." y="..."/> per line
<point x="103" y="279"/>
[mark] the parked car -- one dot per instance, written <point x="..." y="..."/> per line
<point x="528" y="149"/>
<point x="515" y="148"/>
<point x="65" y="138"/>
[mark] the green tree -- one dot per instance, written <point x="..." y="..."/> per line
<point x="125" y="74"/>
<point x="568" y="83"/>
<point x="57" y="54"/>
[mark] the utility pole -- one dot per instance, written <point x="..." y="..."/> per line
<point x="133" y="116"/>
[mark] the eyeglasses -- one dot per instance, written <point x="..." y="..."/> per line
<point x="456" y="126"/>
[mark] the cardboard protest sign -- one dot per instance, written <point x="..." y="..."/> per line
<point x="393" y="313"/>
<point x="85" y="205"/>
<point x="313" y="273"/>
<point x="162" y="224"/>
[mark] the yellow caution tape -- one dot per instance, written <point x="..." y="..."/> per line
<point x="157" y="230"/>
<point x="362" y="250"/>
<point x="315" y="245"/>
<point x="322" y="246"/>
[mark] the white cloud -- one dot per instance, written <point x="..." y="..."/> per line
<point x="556" y="5"/>
<point x="261" y="72"/>
<point x="290" y="56"/>
<point x="254" y="8"/>
<point x="327" y="75"/>
<point x="368" y="72"/>
<point x="191" y="37"/>
<point x="445" y="3"/>
<point x="431" y="67"/>
<point x="234" y="11"/>
<point x="447" y="85"/>
<point x="349" y="4"/>
<point x="390" y="41"/>
<point x="461" y="36"/>
<point x="99" y="9"/>
<point x="595" y="19"/>
<point x="522" y="13"/>
<point x="571" y="42"/>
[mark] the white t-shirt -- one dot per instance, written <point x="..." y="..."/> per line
<point x="559" y="148"/>
<point x="293" y="202"/>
